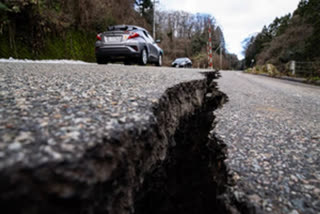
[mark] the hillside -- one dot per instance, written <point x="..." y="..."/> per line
<point x="291" y="37"/>
<point x="54" y="29"/>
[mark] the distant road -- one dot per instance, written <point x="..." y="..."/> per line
<point x="272" y="128"/>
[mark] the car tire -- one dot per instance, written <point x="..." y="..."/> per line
<point x="159" y="61"/>
<point x="143" y="60"/>
<point x="101" y="60"/>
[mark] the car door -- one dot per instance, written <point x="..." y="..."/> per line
<point x="153" y="50"/>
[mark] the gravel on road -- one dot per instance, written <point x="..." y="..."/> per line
<point x="272" y="129"/>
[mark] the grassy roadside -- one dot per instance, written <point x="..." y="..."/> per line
<point x="271" y="71"/>
<point x="268" y="69"/>
<point x="72" y="45"/>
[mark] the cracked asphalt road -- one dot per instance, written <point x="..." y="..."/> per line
<point x="55" y="112"/>
<point x="272" y="129"/>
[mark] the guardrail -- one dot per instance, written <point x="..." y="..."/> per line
<point x="305" y="69"/>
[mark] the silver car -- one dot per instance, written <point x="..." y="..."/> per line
<point x="129" y="44"/>
<point x="182" y="63"/>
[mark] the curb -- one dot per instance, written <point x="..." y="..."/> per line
<point x="293" y="79"/>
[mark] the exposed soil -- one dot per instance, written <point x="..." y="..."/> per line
<point x="193" y="176"/>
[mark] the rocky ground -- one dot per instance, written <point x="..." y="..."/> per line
<point x="272" y="130"/>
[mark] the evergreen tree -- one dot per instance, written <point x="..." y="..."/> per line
<point x="145" y="9"/>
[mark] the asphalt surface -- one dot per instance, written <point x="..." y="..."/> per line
<point x="272" y="129"/>
<point x="55" y="112"/>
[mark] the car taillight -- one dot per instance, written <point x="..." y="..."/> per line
<point x="98" y="37"/>
<point x="131" y="36"/>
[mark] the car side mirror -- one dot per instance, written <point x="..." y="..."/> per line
<point x="158" y="41"/>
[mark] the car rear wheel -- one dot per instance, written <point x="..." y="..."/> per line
<point x="143" y="57"/>
<point x="159" y="62"/>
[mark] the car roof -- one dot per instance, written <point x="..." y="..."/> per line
<point x="125" y="27"/>
<point x="182" y="58"/>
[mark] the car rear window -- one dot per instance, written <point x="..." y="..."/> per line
<point x="145" y="33"/>
<point x="179" y="60"/>
<point x="121" y="28"/>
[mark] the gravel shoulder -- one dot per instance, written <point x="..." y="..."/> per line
<point x="272" y="129"/>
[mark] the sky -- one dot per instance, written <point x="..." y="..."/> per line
<point x="238" y="18"/>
